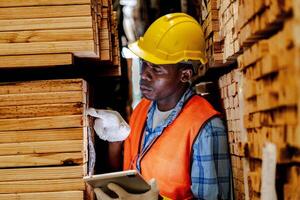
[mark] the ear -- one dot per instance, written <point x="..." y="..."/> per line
<point x="186" y="75"/>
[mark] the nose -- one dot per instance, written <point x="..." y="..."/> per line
<point x="145" y="73"/>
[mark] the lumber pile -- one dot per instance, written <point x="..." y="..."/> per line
<point x="115" y="40"/>
<point x="268" y="37"/>
<point x="291" y="188"/>
<point x="230" y="89"/>
<point x="43" y="139"/>
<point x="210" y="23"/>
<point x="49" y="32"/>
<point x="270" y="66"/>
<point x="219" y="19"/>
<point x="260" y="19"/>
<point x="228" y="18"/>
<point x="105" y="31"/>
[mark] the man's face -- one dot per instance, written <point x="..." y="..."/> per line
<point x="159" y="82"/>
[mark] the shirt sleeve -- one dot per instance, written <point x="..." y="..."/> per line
<point x="211" y="170"/>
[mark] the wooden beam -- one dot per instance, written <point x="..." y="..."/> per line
<point x="87" y="54"/>
<point x="41" y="173"/>
<point x="36" y="60"/>
<point x="105" y="54"/>
<point x="269" y="64"/>
<point x="46" y="47"/>
<point x="18" y="3"/>
<point x="41" y="186"/>
<point x="41" y="147"/>
<point x="45" y="12"/>
<point x="44" y="110"/>
<point x="46" y="35"/>
<point x="40" y="98"/>
<point x="105" y="44"/>
<point x="39" y="86"/>
<point x="33" y="160"/>
<point x="104" y="34"/>
<point x="41" y="135"/>
<point x="46" y="23"/>
<point x="69" y="121"/>
<point x="74" y="195"/>
<point x="85" y="150"/>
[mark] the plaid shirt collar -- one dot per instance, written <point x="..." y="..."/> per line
<point x="150" y="133"/>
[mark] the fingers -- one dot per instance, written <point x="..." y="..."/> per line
<point x="98" y="113"/>
<point x="118" y="190"/>
<point x="101" y="112"/>
<point x="92" y="112"/>
<point x="109" y="117"/>
<point x="98" y="127"/>
<point x="109" y="125"/>
<point x="101" y="195"/>
<point x="153" y="184"/>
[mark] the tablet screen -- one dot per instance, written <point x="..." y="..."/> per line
<point x="129" y="180"/>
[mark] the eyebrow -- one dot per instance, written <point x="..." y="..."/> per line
<point x="156" y="66"/>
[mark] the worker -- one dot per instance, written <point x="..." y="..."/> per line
<point x="176" y="137"/>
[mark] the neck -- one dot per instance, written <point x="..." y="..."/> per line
<point x="170" y="102"/>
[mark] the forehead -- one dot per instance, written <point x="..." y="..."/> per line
<point x="165" y="66"/>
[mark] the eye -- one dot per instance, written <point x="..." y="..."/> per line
<point x="157" y="69"/>
<point x="146" y="64"/>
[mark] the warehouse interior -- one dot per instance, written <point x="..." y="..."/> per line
<point x="60" y="57"/>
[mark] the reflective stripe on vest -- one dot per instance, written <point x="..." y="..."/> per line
<point x="169" y="158"/>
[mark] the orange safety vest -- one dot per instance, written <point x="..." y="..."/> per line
<point x="168" y="160"/>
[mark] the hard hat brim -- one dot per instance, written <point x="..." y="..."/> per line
<point x="146" y="55"/>
<point x="138" y="51"/>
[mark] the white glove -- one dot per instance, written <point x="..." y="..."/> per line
<point x="109" y="125"/>
<point x="152" y="194"/>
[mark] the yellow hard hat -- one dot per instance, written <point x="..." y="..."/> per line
<point x="172" y="38"/>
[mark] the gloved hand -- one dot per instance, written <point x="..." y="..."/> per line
<point x="152" y="194"/>
<point x="109" y="125"/>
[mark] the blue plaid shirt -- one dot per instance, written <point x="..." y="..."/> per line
<point x="210" y="172"/>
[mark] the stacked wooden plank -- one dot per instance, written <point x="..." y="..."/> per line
<point x="291" y="188"/>
<point x="259" y="19"/>
<point x="115" y="40"/>
<point x="271" y="70"/>
<point x="266" y="65"/>
<point x="44" y="33"/>
<point x="105" y="31"/>
<point x="210" y="24"/>
<point x="230" y="88"/>
<point x="228" y="17"/>
<point x="107" y="43"/>
<point x="47" y="33"/>
<point x="268" y="34"/>
<point x="43" y="139"/>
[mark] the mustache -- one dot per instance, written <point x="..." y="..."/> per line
<point x="144" y="83"/>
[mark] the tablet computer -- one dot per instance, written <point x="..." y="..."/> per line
<point x="130" y="180"/>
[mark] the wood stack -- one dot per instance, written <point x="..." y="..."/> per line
<point x="105" y="29"/>
<point x="43" y="139"/>
<point x="268" y="34"/>
<point x="48" y="32"/>
<point x="291" y="188"/>
<point x="270" y="69"/>
<point x="228" y="15"/>
<point x="230" y="88"/>
<point x="210" y="24"/>
<point x="115" y="40"/>
<point x="259" y="19"/>
<point x="43" y="33"/>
